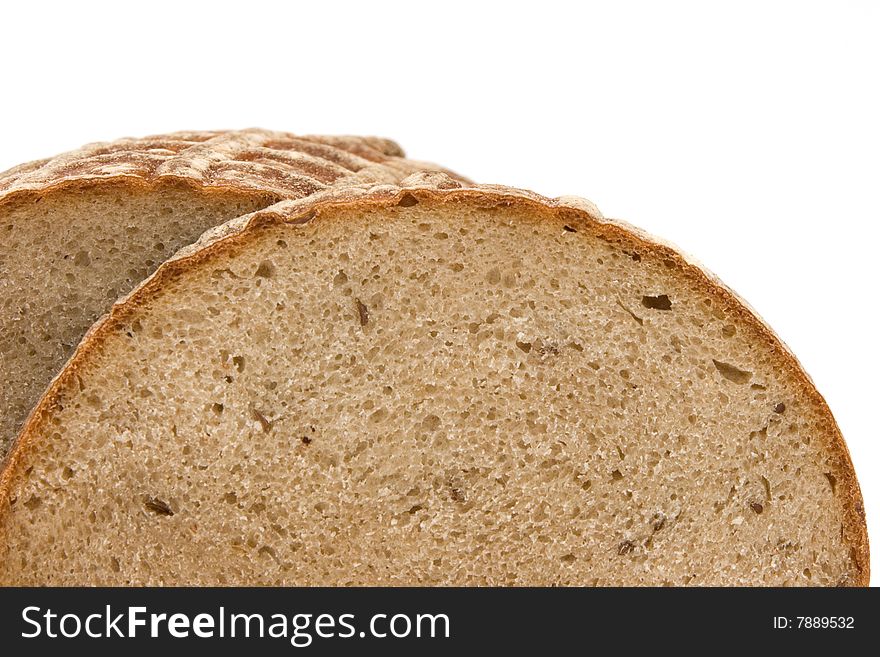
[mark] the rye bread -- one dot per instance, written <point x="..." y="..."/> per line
<point x="83" y="228"/>
<point x="431" y="383"/>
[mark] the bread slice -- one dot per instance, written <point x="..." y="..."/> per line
<point x="83" y="228"/>
<point x="431" y="384"/>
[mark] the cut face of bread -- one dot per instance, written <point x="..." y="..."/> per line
<point x="66" y="257"/>
<point x="415" y="386"/>
<point x="82" y="229"/>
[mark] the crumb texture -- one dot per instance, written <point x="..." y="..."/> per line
<point x="83" y="228"/>
<point x="66" y="257"/>
<point x="430" y="394"/>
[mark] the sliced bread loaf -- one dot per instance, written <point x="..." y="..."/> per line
<point x="431" y="384"/>
<point x="83" y="228"/>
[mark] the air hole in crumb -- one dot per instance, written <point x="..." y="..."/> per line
<point x="569" y="229"/>
<point x="757" y="508"/>
<point x="33" y="502"/>
<point x="766" y="484"/>
<point x="407" y="200"/>
<point x="832" y="481"/>
<point x="238" y="361"/>
<point x="728" y="330"/>
<point x="659" y="302"/>
<point x="431" y="423"/>
<point x="265" y="270"/>
<point x="567" y="558"/>
<point x="363" y="312"/>
<point x="265" y="424"/>
<point x="157" y="506"/>
<point x="732" y="373"/>
<point x="217" y="408"/>
<point x="305" y="440"/>
<point x="524" y="346"/>
<point x="625" y="547"/>
<point x="779" y="408"/>
<point x="616" y="475"/>
<point x="81" y="259"/>
<point x="268" y="551"/>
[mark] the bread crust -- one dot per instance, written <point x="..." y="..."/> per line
<point x="278" y="164"/>
<point x="441" y="189"/>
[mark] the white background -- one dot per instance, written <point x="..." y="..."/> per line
<point x="745" y="132"/>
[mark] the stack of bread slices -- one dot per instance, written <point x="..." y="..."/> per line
<point x="254" y="358"/>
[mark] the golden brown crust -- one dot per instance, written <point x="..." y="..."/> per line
<point x="273" y="163"/>
<point x="442" y="189"/>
